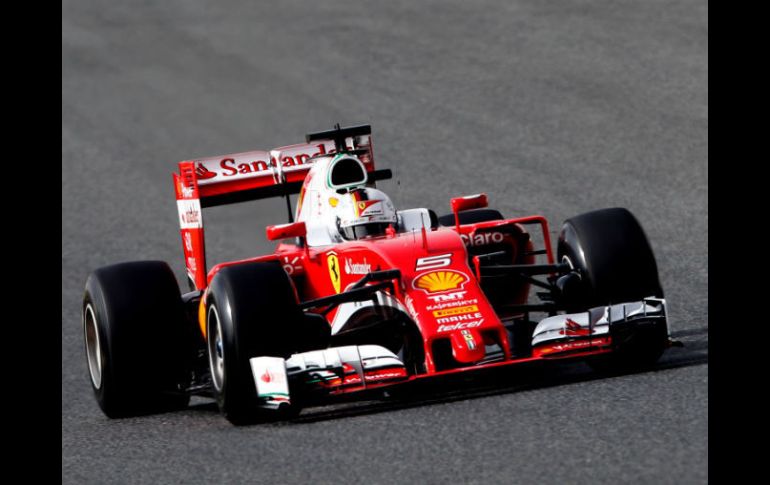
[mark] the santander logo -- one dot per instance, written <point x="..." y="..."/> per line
<point x="573" y="328"/>
<point x="203" y="173"/>
<point x="258" y="163"/>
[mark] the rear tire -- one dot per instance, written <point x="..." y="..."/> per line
<point x="135" y="338"/>
<point x="613" y="257"/>
<point x="251" y="311"/>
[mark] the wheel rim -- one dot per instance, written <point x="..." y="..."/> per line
<point x="215" y="348"/>
<point x="93" y="346"/>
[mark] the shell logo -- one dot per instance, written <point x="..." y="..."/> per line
<point x="438" y="281"/>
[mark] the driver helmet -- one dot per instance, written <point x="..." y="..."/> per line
<point x="364" y="212"/>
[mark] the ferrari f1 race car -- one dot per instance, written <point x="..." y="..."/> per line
<point x="359" y="296"/>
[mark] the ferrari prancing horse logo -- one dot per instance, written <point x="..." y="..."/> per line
<point x="334" y="270"/>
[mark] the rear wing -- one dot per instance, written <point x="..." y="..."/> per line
<point x="240" y="177"/>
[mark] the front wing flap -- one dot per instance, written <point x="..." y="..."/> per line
<point x="334" y="370"/>
<point x="599" y="327"/>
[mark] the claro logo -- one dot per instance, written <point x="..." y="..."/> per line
<point x="481" y="239"/>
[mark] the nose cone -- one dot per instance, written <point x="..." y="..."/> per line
<point x="467" y="345"/>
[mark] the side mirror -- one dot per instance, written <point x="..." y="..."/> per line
<point x="285" y="231"/>
<point x="478" y="201"/>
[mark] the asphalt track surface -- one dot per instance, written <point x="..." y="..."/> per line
<point x="554" y="107"/>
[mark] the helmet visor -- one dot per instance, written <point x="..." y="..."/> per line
<point x="362" y="231"/>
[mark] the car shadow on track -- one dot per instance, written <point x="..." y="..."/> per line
<point x="508" y="381"/>
<point x="493" y="383"/>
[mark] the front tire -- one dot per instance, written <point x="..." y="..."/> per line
<point x="610" y="251"/>
<point x="251" y="311"/>
<point x="135" y="338"/>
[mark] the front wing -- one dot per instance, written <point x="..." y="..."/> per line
<point x="355" y="368"/>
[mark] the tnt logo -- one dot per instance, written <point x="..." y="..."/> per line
<point x="453" y="296"/>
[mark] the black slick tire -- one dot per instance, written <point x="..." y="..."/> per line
<point x="134" y="330"/>
<point x="610" y="251"/>
<point x="251" y="311"/>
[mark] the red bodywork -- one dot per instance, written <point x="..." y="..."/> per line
<point x="439" y="288"/>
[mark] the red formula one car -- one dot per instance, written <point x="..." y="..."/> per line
<point x="359" y="296"/>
